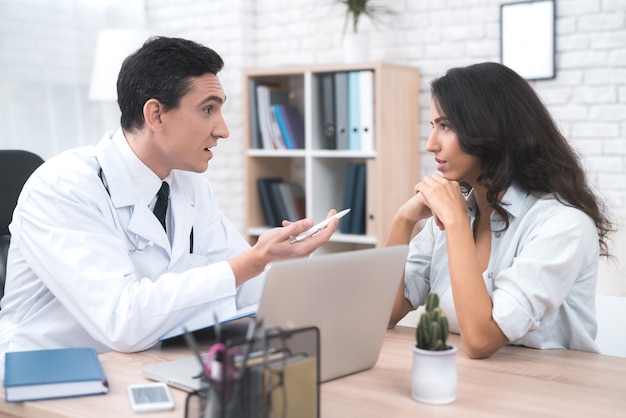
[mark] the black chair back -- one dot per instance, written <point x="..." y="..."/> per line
<point x="16" y="166"/>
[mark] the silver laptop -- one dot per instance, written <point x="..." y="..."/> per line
<point x="347" y="295"/>
<point x="183" y="373"/>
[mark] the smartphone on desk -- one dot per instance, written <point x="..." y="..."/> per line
<point x="150" y="397"/>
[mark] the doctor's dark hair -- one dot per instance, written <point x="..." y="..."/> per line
<point x="161" y="69"/>
<point x="498" y="117"/>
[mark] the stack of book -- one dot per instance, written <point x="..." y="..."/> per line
<point x="347" y="110"/>
<point x="275" y="124"/>
<point x="281" y="200"/>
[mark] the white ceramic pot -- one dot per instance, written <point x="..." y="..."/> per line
<point x="434" y="376"/>
<point x="356" y="47"/>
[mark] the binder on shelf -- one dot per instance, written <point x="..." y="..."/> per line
<point x="366" y="90"/>
<point x="341" y="110"/>
<point x="327" y="110"/>
<point x="354" y="109"/>
<point x="358" y="217"/>
<point x="53" y="373"/>
<point x="345" y="227"/>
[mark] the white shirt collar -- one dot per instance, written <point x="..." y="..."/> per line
<point x="145" y="182"/>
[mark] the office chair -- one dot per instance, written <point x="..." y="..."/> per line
<point x="15" y="168"/>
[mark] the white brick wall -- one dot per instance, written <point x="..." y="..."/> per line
<point x="46" y="48"/>
<point x="587" y="98"/>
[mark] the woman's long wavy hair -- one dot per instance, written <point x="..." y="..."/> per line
<point x="499" y="118"/>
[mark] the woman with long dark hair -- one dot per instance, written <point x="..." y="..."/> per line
<point x="513" y="230"/>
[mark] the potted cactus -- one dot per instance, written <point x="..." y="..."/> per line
<point x="434" y="375"/>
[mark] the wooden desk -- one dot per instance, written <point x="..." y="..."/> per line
<point x="514" y="382"/>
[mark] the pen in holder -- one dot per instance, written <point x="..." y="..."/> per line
<point x="275" y="374"/>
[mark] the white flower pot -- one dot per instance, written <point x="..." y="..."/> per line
<point x="434" y="376"/>
<point x="356" y="47"/>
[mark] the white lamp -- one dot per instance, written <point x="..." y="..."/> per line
<point x="113" y="46"/>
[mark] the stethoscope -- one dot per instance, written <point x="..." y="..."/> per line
<point x="134" y="241"/>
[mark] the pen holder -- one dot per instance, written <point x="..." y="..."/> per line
<point x="274" y="375"/>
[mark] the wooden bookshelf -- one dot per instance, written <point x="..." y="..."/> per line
<point x="392" y="167"/>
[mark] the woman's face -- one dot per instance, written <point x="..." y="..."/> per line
<point x="453" y="163"/>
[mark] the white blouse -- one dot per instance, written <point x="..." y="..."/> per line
<point x="541" y="275"/>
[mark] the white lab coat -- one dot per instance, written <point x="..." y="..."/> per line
<point x="73" y="277"/>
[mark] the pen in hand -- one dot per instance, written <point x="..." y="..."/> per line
<point x="318" y="227"/>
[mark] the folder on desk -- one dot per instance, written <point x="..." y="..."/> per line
<point x="53" y="373"/>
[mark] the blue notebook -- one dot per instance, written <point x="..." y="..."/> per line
<point x="54" y="373"/>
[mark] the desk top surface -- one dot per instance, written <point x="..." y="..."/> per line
<point x="516" y="381"/>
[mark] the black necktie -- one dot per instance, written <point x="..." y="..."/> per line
<point x="160" y="209"/>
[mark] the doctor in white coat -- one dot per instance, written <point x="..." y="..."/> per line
<point x="89" y="263"/>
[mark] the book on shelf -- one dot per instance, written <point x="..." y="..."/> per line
<point x="279" y="114"/>
<point x="327" y="110"/>
<point x="53" y="373"/>
<point x="299" y="200"/>
<point x="295" y="126"/>
<point x="255" y="129"/>
<point x="286" y="209"/>
<point x="268" y="95"/>
<point x="292" y="200"/>
<point x="281" y="200"/>
<point x="268" y="203"/>
<point x="291" y="125"/>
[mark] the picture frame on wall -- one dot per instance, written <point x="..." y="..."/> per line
<point x="527" y="38"/>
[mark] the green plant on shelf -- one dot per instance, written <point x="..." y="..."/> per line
<point x="355" y="9"/>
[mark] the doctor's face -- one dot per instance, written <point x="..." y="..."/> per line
<point x="191" y="131"/>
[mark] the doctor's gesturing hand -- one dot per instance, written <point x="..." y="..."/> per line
<point x="275" y="244"/>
